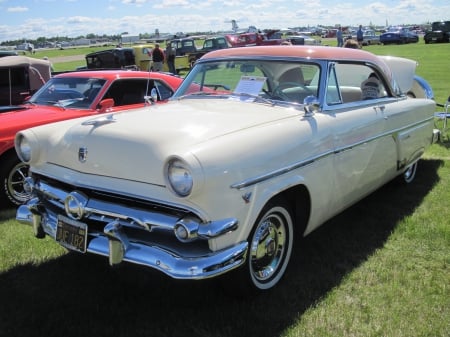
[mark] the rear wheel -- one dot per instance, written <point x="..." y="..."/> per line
<point x="410" y="173"/>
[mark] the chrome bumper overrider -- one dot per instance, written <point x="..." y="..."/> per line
<point x="124" y="233"/>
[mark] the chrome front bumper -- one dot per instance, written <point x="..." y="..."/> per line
<point x="124" y="233"/>
<point x="180" y="267"/>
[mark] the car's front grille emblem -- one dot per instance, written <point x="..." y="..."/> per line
<point x="82" y="154"/>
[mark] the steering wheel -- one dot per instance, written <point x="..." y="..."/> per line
<point x="278" y="90"/>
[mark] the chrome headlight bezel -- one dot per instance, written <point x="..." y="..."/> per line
<point x="179" y="177"/>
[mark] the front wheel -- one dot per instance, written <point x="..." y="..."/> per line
<point x="269" y="252"/>
<point x="12" y="175"/>
<point x="270" y="246"/>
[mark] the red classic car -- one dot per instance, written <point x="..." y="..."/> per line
<point x="252" y="39"/>
<point x="72" y="95"/>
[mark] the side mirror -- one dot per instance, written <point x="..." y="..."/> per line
<point x="153" y="98"/>
<point x="311" y="105"/>
<point x="154" y="95"/>
<point x="105" y="104"/>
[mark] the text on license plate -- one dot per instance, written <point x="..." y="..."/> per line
<point x="71" y="234"/>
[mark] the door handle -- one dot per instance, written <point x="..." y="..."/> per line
<point x="381" y="108"/>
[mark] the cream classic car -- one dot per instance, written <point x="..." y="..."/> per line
<point x="259" y="145"/>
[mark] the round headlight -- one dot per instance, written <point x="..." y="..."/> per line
<point x="180" y="177"/>
<point x="23" y="148"/>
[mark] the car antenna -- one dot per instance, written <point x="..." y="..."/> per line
<point x="153" y="97"/>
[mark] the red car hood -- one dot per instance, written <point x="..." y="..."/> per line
<point x="19" y="119"/>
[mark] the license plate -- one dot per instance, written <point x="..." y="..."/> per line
<point x="71" y="234"/>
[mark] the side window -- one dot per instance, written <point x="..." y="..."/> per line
<point x="164" y="92"/>
<point x="352" y="83"/>
<point x="296" y="82"/>
<point x="133" y="91"/>
<point x="18" y="77"/>
<point x="208" y="44"/>
<point x="127" y="91"/>
<point x="332" y="96"/>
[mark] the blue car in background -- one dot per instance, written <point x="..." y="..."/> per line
<point x="399" y="35"/>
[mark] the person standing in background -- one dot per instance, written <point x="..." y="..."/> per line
<point x="158" y="58"/>
<point x="360" y="36"/>
<point x="170" y="57"/>
<point x="339" y="37"/>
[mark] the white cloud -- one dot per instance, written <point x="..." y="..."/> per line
<point x="17" y="9"/>
<point x="171" y="16"/>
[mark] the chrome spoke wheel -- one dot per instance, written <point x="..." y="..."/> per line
<point x="270" y="247"/>
<point x="410" y="173"/>
<point x="15" y="184"/>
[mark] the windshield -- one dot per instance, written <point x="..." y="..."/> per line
<point x="251" y="79"/>
<point x="68" y="92"/>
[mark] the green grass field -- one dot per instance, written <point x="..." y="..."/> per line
<point x="381" y="268"/>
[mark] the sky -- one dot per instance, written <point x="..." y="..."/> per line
<point x="30" y="19"/>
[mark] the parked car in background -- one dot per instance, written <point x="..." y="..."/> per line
<point x="67" y="96"/>
<point x="138" y="57"/>
<point x="21" y="77"/>
<point x="4" y="53"/>
<point x="399" y="35"/>
<point x="303" y="40"/>
<point x="370" y="37"/>
<point x="329" y="33"/>
<point x="258" y="147"/>
<point x="254" y="38"/>
<point x="440" y="32"/>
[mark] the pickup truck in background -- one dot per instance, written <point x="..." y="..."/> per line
<point x="440" y="32"/>
<point x="187" y="52"/>
<point x="136" y="57"/>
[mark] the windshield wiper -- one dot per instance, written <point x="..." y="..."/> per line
<point x="202" y="94"/>
<point x="62" y="103"/>
<point x="256" y="98"/>
<point x="29" y="102"/>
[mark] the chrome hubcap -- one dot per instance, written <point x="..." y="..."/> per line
<point x="15" y="183"/>
<point x="268" y="247"/>
<point x="410" y="173"/>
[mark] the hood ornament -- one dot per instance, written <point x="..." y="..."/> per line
<point x="97" y="121"/>
<point x="82" y="154"/>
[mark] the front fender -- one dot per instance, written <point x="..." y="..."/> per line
<point x="421" y="88"/>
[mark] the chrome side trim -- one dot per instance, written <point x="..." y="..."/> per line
<point x="308" y="161"/>
<point x="269" y="175"/>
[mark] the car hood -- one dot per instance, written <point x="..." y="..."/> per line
<point x="23" y="117"/>
<point x="135" y="144"/>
